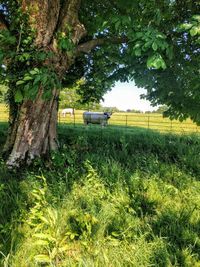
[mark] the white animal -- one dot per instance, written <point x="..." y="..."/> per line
<point x="96" y="118"/>
<point x="67" y="111"/>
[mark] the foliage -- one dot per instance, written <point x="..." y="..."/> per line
<point x="65" y="41"/>
<point x="154" y="43"/>
<point x="3" y="90"/>
<point x="27" y="87"/>
<point x="69" y="97"/>
<point x="22" y="64"/>
<point x="192" y="26"/>
<point x="142" y="208"/>
<point x="109" y="109"/>
<point x="161" y="109"/>
<point x="134" y="111"/>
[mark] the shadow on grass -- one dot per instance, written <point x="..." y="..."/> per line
<point x="116" y="154"/>
<point x="180" y="232"/>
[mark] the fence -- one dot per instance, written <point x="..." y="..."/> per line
<point x="148" y="121"/>
<point x="127" y="120"/>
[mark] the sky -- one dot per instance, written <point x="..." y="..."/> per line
<point x="127" y="96"/>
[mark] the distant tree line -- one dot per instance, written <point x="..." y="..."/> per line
<point x="134" y="111"/>
<point x="160" y="110"/>
<point x="70" y="98"/>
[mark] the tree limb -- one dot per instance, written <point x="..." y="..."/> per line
<point x="92" y="44"/>
<point x="68" y="20"/>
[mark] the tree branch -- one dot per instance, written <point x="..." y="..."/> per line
<point x="68" y="20"/>
<point x="88" y="46"/>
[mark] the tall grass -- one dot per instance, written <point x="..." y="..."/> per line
<point x="108" y="198"/>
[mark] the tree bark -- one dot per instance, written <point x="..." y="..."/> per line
<point x="34" y="131"/>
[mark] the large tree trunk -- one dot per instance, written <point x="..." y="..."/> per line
<point x="34" y="130"/>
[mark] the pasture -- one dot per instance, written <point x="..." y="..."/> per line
<point x="126" y="120"/>
<point x="148" y="121"/>
<point x="108" y="198"/>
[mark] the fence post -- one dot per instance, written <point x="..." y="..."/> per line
<point x="126" y="120"/>
<point x="148" y="121"/>
<point x="74" y="119"/>
<point x="171" y="126"/>
<point x="59" y="117"/>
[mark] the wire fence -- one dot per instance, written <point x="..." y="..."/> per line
<point x="126" y="121"/>
<point x="147" y="121"/>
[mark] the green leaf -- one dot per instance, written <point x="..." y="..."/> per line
<point x="156" y="61"/>
<point x="18" y="96"/>
<point x="196" y="17"/>
<point x="138" y="35"/>
<point x="28" y="78"/>
<point x="154" y="46"/>
<point x="105" y="23"/>
<point x="148" y="44"/>
<point x="19" y="82"/>
<point x="169" y="52"/>
<point x="26" y="55"/>
<point x="161" y="36"/>
<point x="150" y="61"/>
<point x="163" y="64"/>
<point x="34" y="71"/>
<point x="194" y="31"/>
<point x="37" y="79"/>
<point x="117" y="24"/>
<point x="138" y="52"/>
<point x="185" y="26"/>
<point x="44" y="79"/>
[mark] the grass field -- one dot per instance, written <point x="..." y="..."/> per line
<point x="109" y="198"/>
<point x="147" y="121"/>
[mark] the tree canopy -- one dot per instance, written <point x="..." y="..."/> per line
<point x="156" y="43"/>
<point x="69" y="97"/>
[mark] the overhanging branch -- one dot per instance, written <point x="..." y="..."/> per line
<point x="88" y="46"/>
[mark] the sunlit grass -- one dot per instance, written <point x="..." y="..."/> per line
<point x="3" y="113"/>
<point x="108" y="198"/>
<point x="147" y="121"/>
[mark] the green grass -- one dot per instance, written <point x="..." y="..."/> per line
<point x="127" y="120"/>
<point x="108" y="198"/>
<point x="3" y="113"/>
<point x="146" y="121"/>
